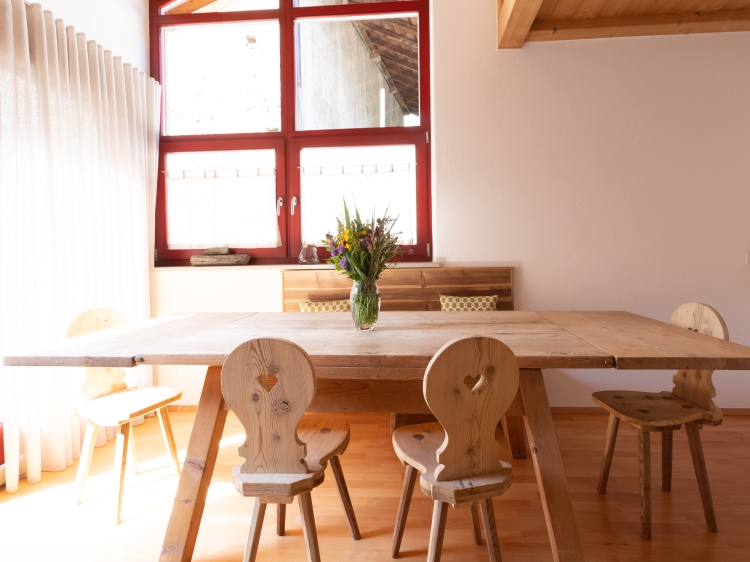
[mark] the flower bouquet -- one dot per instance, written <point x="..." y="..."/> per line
<point x="362" y="250"/>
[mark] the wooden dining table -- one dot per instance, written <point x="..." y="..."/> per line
<point x="382" y="371"/>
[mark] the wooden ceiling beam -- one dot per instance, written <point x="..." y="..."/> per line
<point x="669" y="24"/>
<point x="514" y="19"/>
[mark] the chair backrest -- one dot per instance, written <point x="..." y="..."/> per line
<point x="100" y="381"/>
<point x="697" y="386"/>
<point x="469" y="385"/>
<point x="269" y="383"/>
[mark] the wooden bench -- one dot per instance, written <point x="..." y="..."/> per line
<point x="404" y="289"/>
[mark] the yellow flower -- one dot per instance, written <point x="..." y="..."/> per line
<point x="348" y="246"/>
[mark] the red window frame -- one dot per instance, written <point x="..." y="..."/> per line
<point x="288" y="142"/>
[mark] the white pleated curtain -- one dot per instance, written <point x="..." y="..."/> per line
<point x="78" y="164"/>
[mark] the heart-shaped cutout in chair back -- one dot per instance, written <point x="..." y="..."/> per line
<point x="268" y="381"/>
<point x="471" y="382"/>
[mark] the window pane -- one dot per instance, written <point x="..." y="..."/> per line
<point x="375" y="178"/>
<point x="222" y="78"/>
<point x="222" y="199"/>
<point x="305" y="3"/>
<point x="204" y="6"/>
<point x="354" y="73"/>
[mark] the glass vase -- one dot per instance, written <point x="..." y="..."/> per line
<point x="365" y="304"/>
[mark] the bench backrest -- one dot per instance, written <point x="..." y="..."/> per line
<point x="402" y="288"/>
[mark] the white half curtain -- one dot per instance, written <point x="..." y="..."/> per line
<point x="78" y="159"/>
<point x="371" y="188"/>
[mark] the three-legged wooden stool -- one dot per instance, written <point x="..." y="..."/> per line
<point x="269" y="383"/>
<point x="108" y="402"/>
<point x="468" y="385"/>
<point x="690" y="403"/>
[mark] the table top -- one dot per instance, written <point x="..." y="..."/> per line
<point x="401" y="340"/>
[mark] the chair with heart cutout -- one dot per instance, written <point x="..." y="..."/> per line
<point x="107" y="401"/>
<point x="468" y="385"/>
<point x="690" y="403"/>
<point x="269" y="383"/>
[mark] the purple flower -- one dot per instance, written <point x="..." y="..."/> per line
<point x="335" y="252"/>
<point x="366" y="242"/>
<point x="340" y="249"/>
<point x="343" y="263"/>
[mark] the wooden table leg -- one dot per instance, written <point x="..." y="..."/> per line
<point x="197" y="469"/>
<point x="550" y="475"/>
<point x="516" y="436"/>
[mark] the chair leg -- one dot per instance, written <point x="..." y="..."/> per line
<point x="403" y="509"/>
<point x="699" y="464"/>
<point x="166" y="432"/>
<point x="121" y="457"/>
<point x="132" y="459"/>
<point x="280" y="519"/>
<point x="346" y="501"/>
<point x="437" y="531"/>
<point x="476" y="525"/>
<point x="84" y="463"/>
<point x="644" y="466"/>
<point x="490" y="530"/>
<point x="666" y="460"/>
<point x="256" y="526"/>
<point x="308" y="527"/>
<point x="609" y="451"/>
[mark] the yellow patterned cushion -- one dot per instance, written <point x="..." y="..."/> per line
<point x="326" y="306"/>
<point x="468" y="304"/>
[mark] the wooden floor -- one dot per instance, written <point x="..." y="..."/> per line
<point x="41" y="523"/>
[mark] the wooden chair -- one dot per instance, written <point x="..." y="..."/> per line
<point x="108" y="402"/>
<point x="269" y="383"/>
<point x="468" y="385"/>
<point x="690" y="403"/>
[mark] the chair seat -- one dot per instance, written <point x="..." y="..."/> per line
<point x="325" y="438"/>
<point x="654" y="410"/>
<point x="123" y="406"/>
<point x="417" y="446"/>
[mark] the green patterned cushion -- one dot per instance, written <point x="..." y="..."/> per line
<point x="326" y="306"/>
<point x="468" y="304"/>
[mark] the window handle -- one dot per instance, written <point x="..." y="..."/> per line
<point x="294" y="203"/>
<point x="279" y="204"/>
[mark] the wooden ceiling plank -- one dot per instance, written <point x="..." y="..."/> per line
<point x="395" y="61"/>
<point x="514" y="21"/>
<point x="736" y="5"/>
<point x="662" y="7"/>
<point x="565" y="9"/>
<point x="547" y="7"/>
<point x="669" y="24"/>
<point x="362" y="31"/>
<point x="638" y="8"/>
<point x="589" y="9"/>
<point x="687" y="7"/>
<point x="400" y="23"/>
<point x="381" y="43"/>
<point x="712" y="6"/>
<point x="613" y="8"/>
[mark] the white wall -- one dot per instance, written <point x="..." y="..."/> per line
<point x="614" y="173"/>
<point x="120" y="26"/>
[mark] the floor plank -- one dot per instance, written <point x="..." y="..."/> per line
<point x="41" y="521"/>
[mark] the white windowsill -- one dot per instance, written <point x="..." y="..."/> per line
<point x="281" y="267"/>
